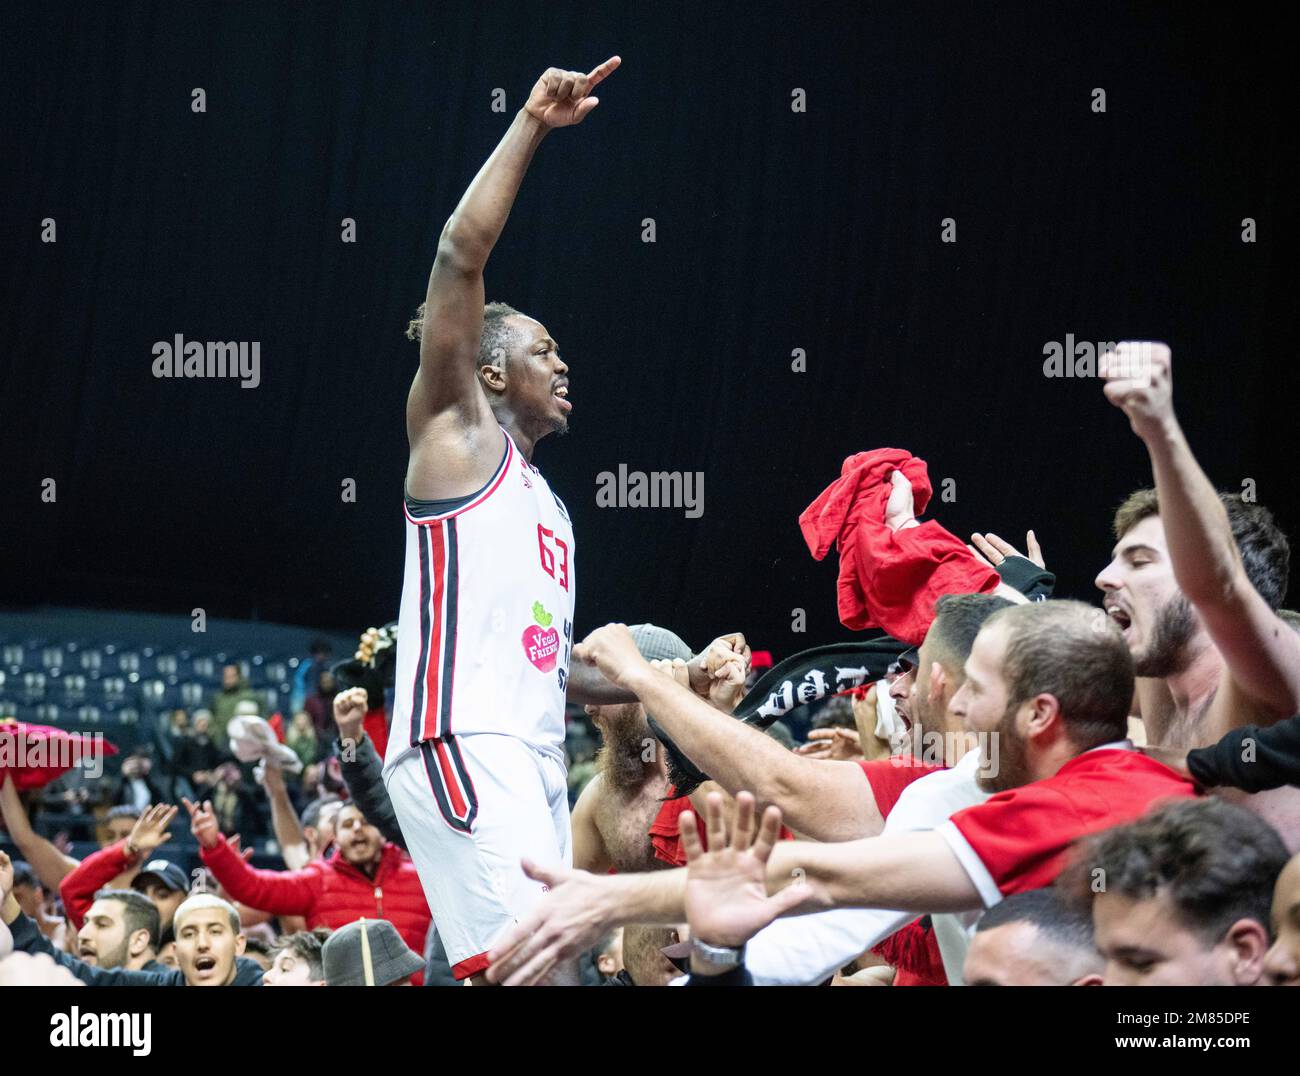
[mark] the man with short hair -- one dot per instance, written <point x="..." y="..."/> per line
<point x="1034" y="939"/>
<point x="121" y="930"/>
<point x="1194" y="583"/>
<point x="209" y="945"/>
<point x="1052" y="679"/>
<point x="1181" y="897"/>
<point x="296" y="959"/>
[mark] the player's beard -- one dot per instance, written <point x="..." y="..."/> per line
<point x="621" y="760"/>
<point x="1165" y="654"/>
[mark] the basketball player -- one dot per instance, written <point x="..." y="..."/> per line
<point x="475" y="761"/>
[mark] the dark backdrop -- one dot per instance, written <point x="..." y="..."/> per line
<point x="775" y="231"/>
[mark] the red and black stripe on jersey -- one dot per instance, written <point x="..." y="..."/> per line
<point x="435" y="669"/>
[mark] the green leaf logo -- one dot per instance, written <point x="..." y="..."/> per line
<point x="541" y="615"/>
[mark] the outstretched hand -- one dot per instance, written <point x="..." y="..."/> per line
<point x="994" y="550"/>
<point x="570" y="917"/>
<point x="150" y="830"/>
<point x="726" y="887"/>
<point x="836" y="744"/>
<point x="203" y="823"/>
<point x="562" y="98"/>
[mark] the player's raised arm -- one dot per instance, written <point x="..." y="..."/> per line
<point x="453" y="311"/>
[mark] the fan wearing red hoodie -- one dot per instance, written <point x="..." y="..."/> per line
<point x="365" y="877"/>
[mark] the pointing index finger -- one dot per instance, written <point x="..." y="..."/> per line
<point x="599" y="74"/>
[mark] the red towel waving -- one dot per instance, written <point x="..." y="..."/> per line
<point x="889" y="579"/>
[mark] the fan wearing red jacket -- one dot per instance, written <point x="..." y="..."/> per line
<point x="365" y="877"/>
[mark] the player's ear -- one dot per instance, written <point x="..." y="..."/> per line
<point x="493" y="377"/>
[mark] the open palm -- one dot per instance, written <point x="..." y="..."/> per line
<point x="726" y="887"/>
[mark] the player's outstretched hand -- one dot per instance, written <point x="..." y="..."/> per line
<point x="1140" y="381"/>
<point x="613" y="651"/>
<point x="566" y="921"/>
<point x="563" y="98"/>
<point x="726" y="887"/>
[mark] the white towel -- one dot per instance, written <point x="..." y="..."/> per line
<point x="253" y="740"/>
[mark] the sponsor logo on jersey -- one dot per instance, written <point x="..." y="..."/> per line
<point x="541" y="641"/>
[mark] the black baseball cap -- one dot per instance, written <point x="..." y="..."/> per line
<point x="163" y="870"/>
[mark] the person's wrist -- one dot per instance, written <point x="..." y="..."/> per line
<point x="635" y="677"/>
<point x="711" y="958"/>
<point x="536" y="127"/>
<point x="1161" y="432"/>
<point x="697" y="674"/>
<point x="9" y="909"/>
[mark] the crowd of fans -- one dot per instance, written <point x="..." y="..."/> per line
<point x="1007" y="788"/>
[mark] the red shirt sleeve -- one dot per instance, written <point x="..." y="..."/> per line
<point x="78" y="888"/>
<point x="889" y="776"/>
<point x="1021" y="835"/>
<point x="277" y="892"/>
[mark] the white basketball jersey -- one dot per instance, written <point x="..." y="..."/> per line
<point x="486" y="622"/>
